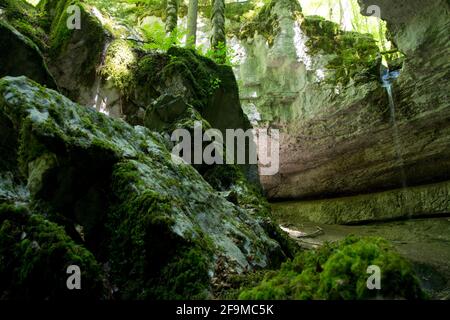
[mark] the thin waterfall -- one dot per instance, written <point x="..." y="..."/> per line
<point x="99" y="102"/>
<point x="387" y="78"/>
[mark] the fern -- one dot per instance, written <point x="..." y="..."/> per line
<point x="156" y="37"/>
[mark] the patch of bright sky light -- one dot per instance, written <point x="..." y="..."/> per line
<point x="300" y="46"/>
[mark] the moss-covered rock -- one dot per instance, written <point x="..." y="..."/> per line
<point x="354" y="55"/>
<point x="210" y="88"/>
<point x="26" y="19"/>
<point x="34" y="256"/>
<point x="267" y="21"/>
<point x="173" y="90"/>
<point x="74" y="54"/>
<point x="20" y="56"/>
<point x="115" y="188"/>
<point x="339" y="272"/>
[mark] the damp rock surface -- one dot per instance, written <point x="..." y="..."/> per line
<point x="118" y="191"/>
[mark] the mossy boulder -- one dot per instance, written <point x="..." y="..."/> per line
<point x="338" y="271"/>
<point x="159" y="226"/>
<point x="26" y="19"/>
<point x="74" y="54"/>
<point x="20" y="56"/>
<point x="210" y="88"/>
<point x="172" y="90"/>
<point x="34" y="256"/>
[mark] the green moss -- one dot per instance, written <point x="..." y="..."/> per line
<point x="34" y="256"/>
<point x="115" y="189"/>
<point x="118" y="63"/>
<point x="235" y="10"/>
<point x="197" y="72"/>
<point x="29" y="147"/>
<point x="265" y="21"/>
<point x="231" y="180"/>
<point x="357" y="56"/>
<point x="339" y="271"/>
<point x="200" y="75"/>
<point x="26" y="19"/>
<point x="148" y="259"/>
<point x="60" y="36"/>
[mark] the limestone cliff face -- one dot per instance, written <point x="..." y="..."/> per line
<point x="337" y="134"/>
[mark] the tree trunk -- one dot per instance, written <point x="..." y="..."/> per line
<point x="218" y="38"/>
<point x="192" y="24"/>
<point x="330" y="8"/>
<point x="172" y="15"/>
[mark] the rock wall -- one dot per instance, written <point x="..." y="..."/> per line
<point x="19" y="54"/>
<point x="337" y="134"/>
<point x="413" y="202"/>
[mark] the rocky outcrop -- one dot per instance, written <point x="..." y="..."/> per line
<point x="118" y="75"/>
<point x="337" y="132"/>
<point x="124" y="202"/>
<point x="412" y="202"/>
<point x="115" y="74"/>
<point x="76" y="52"/>
<point x="21" y="57"/>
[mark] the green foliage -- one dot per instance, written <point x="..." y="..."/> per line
<point x="221" y="55"/>
<point x="215" y="84"/>
<point x="357" y="55"/>
<point x="118" y="63"/>
<point x="339" y="272"/>
<point x="34" y="256"/>
<point x="156" y="37"/>
<point x="26" y="19"/>
<point x="148" y="259"/>
<point x="265" y="22"/>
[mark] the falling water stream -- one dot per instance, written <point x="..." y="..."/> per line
<point x="387" y="78"/>
<point x="99" y="102"/>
